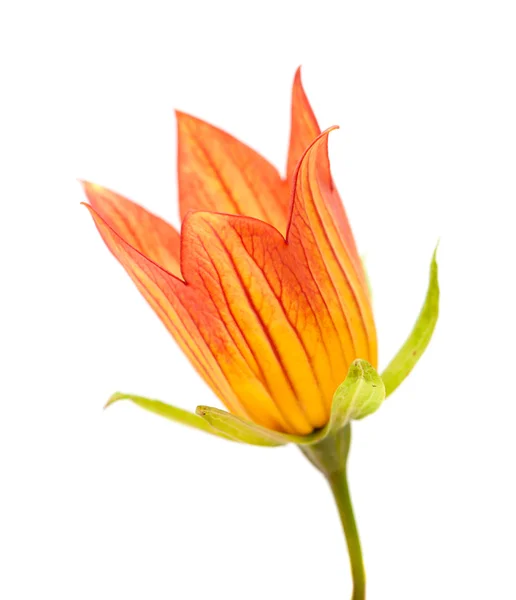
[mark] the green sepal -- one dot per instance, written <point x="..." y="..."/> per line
<point x="240" y="429"/>
<point x="360" y="394"/>
<point x="411" y="351"/>
<point x="173" y="413"/>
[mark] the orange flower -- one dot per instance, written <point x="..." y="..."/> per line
<point x="263" y="290"/>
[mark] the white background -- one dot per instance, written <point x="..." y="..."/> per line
<point x="121" y="504"/>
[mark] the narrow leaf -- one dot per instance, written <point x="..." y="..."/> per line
<point x="173" y="413"/>
<point x="242" y="430"/>
<point x="409" y="354"/>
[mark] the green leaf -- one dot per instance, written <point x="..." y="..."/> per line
<point x="240" y="429"/>
<point x="409" y="354"/>
<point x="248" y="432"/>
<point x="173" y="413"/>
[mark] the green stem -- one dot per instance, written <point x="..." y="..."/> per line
<point x="338" y="481"/>
<point x="330" y="457"/>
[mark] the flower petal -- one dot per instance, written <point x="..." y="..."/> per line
<point x="249" y="276"/>
<point x="303" y="126"/>
<point x="271" y="324"/>
<point x="295" y="309"/>
<point x="304" y="130"/>
<point x="142" y="230"/>
<point x="216" y="172"/>
<point x="314" y="233"/>
<point x="194" y="320"/>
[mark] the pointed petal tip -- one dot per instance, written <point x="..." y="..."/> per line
<point x="85" y="185"/>
<point x="323" y="136"/>
<point x="184" y="117"/>
<point x="88" y="184"/>
<point x="90" y="187"/>
<point x="90" y="208"/>
<point x="298" y="81"/>
<point x="179" y="114"/>
<point x="303" y="127"/>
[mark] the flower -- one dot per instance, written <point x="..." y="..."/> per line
<point x="264" y="289"/>
<point x="266" y="294"/>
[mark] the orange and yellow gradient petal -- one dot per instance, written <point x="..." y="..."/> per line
<point x="271" y="323"/>
<point x="148" y="234"/>
<point x="217" y="172"/>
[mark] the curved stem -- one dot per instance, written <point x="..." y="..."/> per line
<point x="338" y="481"/>
<point x="330" y="457"/>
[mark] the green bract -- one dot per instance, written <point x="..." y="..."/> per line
<point x="412" y="350"/>
<point x="185" y="417"/>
